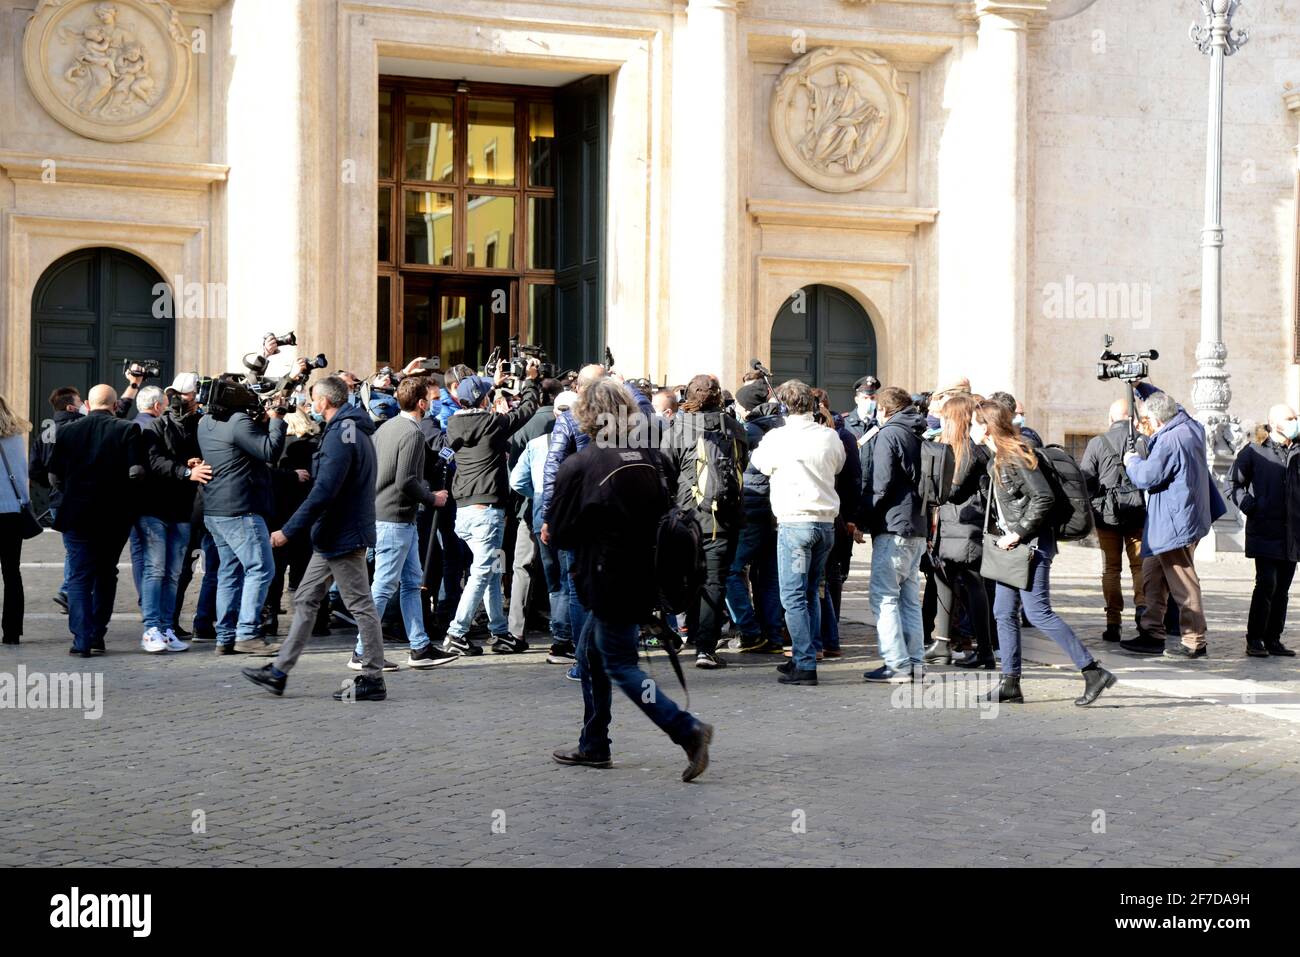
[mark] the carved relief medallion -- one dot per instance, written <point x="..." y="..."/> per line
<point x="110" y="70"/>
<point x="839" y="118"/>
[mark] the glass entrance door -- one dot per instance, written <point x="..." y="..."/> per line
<point x="459" y="320"/>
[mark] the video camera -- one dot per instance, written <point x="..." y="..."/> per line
<point x="228" y="393"/>
<point x="145" y="368"/>
<point x="1127" y="367"/>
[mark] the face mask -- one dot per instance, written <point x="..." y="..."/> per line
<point x="1018" y="420"/>
<point x="866" y="407"/>
<point x="315" y="416"/>
<point x="933" y="423"/>
<point x="1291" y="429"/>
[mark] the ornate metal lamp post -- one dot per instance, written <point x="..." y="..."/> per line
<point x="1211" y="393"/>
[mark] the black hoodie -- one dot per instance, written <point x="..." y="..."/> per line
<point x="481" y="441"/>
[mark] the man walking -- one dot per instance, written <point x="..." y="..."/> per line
<point x="896" y="522"/>
<point x="96" y="466"/>
<point x="399" y="492"/>
<point x="1182" y="504"/>
<point x="605" y="507"/>
<point x="340" y="513"/>
<point x="801" y="460"/>
<point x="1120" y="511"/>
<point x="1266" y="487"/>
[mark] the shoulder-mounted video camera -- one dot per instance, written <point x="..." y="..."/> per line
<point x="1126" y="366"/>
<point x="144" y="368"/>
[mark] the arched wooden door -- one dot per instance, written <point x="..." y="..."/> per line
<point x="822" y="336"/>
<point x="91" y="310"/>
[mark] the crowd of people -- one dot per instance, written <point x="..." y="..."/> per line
<point x="455" y="511"/>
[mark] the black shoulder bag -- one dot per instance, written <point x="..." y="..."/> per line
<point x="1007" y="566"/>
<point x="28" y="526"/>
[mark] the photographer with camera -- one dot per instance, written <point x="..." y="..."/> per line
<point x="1119" y="509"/>
<point x="96" y="465"/>
<point x="339" y="512"/>
<point x="175" y="470"/>
<point x="136" y="373"/>
<point x="1266" y="487"/>
<point x="240" y="446"/>
<point x="1182" y="503"/>
<point x="479" y="438"/>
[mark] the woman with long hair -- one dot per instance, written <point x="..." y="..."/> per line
<point x="1022" y="502"/>
<point x="15" y="495"/>
<point x="960" y="536"/>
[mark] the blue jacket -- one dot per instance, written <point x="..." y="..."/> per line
<point x="16" y="455"/>
<point x="340" y="509"/>
<point x="1182" y="500"/>
<point x="446" y="408"/>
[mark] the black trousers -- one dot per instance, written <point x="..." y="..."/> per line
<point x="1269" y="600"/>
<point x="705" y="619"/>
<point x="11" y="553"/>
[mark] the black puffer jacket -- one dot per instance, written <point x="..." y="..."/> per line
<point x="961" y="517"/>
<point x="1025" y="498"/>
<point x="891" y="500"/>
<point x="761" y="420"/>
<point x="1266" y="487"/>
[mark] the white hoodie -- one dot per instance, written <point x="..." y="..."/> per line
<point x="802" y="459"/>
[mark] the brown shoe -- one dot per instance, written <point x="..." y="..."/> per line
<point x="257" y="647"/>
<point x="697" y="751"/>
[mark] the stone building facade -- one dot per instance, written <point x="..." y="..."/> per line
<point x="914" y="188"/>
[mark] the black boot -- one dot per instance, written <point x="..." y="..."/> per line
<point x="940" y="652"/>
<point x="1007" y="691"/>
<point x="1095" y="680"/>
<point x="796" y="677"/>
<point x="1112" y="633"/>
<point x="697" y="751"/>
<point x="362" y="688"/>
<point x="976" y="660"/>
<point x="1276" y="648"/>
<point x="265" y="677"/>
<point x="1255" y="648"/>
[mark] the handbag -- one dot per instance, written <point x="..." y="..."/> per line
<point x="28" y="526"/>
<point x="1009" y="567"/>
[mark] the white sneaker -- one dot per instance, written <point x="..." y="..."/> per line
<point x="173" y="643"/>
<point x="152" y="641"/>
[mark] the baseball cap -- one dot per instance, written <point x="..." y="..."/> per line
<point x="565" y="400"/>
<point x="184" y="383"/>
<point x="471" y="389"/>
<point x="868" y="384"/>
<point x="752" y="393"/>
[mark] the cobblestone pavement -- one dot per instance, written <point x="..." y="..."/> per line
<point x="454" y="769"/>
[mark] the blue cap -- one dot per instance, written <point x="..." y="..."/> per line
<point x="471" y="390"/>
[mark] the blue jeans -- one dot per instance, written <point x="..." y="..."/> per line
<point x="397" y="569"/>
<point x="483" y="530"/>
<point x="1037" y="602"/>
<point x="92" y="583"/>
<point x="574" y="610"/>
<point x="205" y="613"/>
<point x="559" y="599"/>
<point x="137" y="561"/>
<point x="896" y="599"/>
<point x="247" y="567"/>
<point x="755" y="561"/>
<point x="164" y="554"/>
<point x="611" y="659"/>
<point x="801" y="549"/>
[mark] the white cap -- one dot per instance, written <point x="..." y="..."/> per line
<point x="565" y="400"/>
<point x="184" y="383"/>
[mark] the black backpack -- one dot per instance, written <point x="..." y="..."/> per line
<point x="679" y="559"/>
<point x="937" y="468"/>
<point x="1124" y="504"/>
<point x="719" y="483"/>
<point x="1071" y="515"/>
